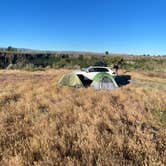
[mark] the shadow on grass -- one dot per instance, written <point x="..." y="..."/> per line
<point x="123" y="80"/>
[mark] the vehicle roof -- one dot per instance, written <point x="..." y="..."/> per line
<point x="98" y="67"/>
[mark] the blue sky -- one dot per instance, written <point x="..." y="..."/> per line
<point x="119" y="26"/>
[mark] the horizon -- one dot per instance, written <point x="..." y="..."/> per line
<point x="84" y="52"/>
<point x="81" y="26"/>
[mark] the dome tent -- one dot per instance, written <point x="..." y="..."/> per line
<point x="71" y="80"/>
<point x="104" y="81"/>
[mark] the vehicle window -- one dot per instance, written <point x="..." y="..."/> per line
<point x="91" y="70"/>
<point x="101" y="70"/>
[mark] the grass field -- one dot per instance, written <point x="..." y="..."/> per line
<point x="41" y="124"/>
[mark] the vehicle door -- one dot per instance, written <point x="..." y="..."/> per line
<point x="91" y="72"/>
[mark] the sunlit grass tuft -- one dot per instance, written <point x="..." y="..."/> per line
<point x="42" y="124"/>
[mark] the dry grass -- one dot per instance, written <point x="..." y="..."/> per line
<point x="42" y="124"/>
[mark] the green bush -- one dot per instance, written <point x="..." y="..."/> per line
<point x="46" y="60"/>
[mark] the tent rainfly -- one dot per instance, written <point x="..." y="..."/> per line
<point x="104" y="81"/>
<point x="71" y="80"/>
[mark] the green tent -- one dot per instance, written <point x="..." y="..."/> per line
<point x="71" y="80"/>
<point x="104" y="81"/>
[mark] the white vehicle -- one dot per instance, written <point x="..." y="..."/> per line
<point x="90" y="72"/>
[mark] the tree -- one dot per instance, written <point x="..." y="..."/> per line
<point x="10" y="48"/>
<point x="106" y="52"/>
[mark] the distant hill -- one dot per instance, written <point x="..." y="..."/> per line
<point x="27" y="50"/>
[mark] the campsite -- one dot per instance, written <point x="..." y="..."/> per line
<point x="43" y="124"/>
<point x="83" y="83"/>
<point x="95" y="76"/>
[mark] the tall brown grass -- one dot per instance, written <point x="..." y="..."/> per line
<point x="41" y="124"/>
